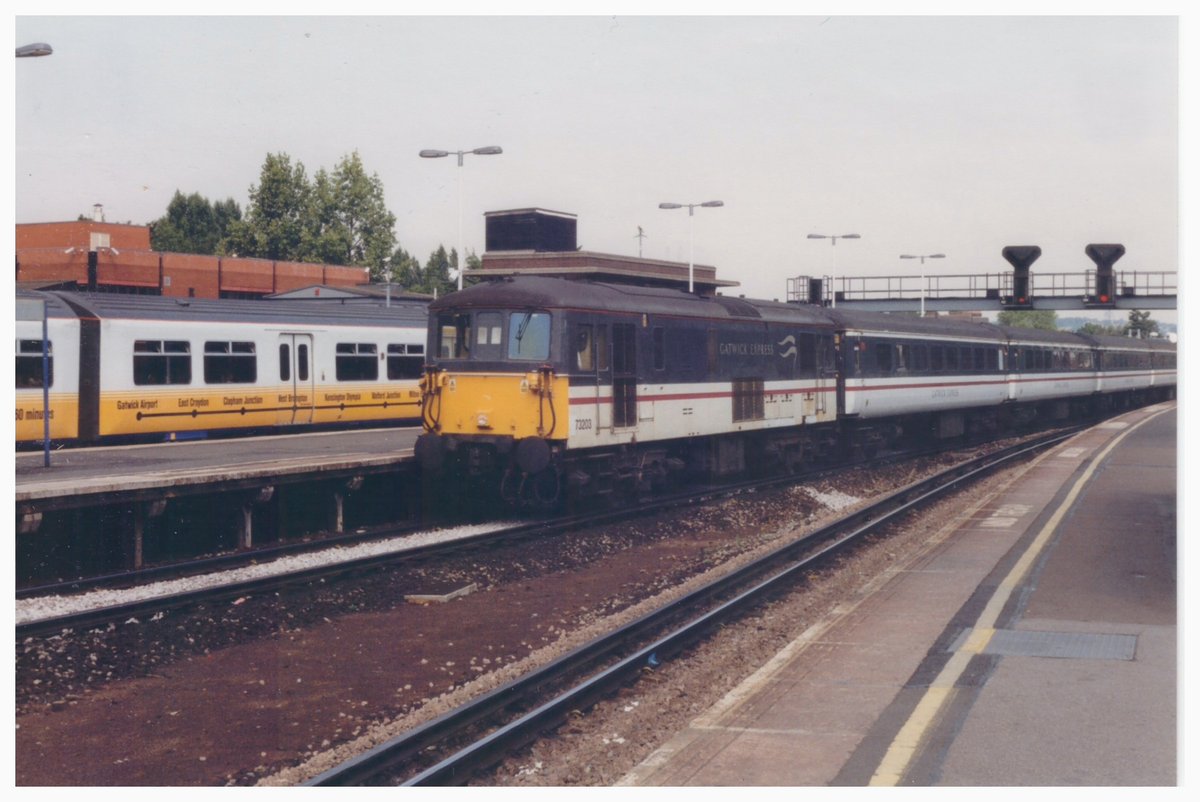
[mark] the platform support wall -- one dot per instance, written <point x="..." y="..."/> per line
<point x="339" y="505"/>
<point x="246" y="529"/>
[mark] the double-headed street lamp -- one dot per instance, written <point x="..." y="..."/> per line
<point x="923" y="257"/>
<point x="490" y="150"/>
<point x="691" y="207"/>
<point x="833" y="238"/>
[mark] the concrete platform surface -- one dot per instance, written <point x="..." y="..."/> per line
<point x="1033" y="643"/>
<point x="140" y="467"/>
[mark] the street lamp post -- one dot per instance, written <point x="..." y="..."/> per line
<point x="691" y="207"/>
<point x="923" y="257"/>
<point x="490" y="150"/>
<point x="833" y="238"/>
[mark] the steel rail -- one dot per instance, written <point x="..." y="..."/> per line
<point x="501" y="741"/>
<point x="101" y="616"/>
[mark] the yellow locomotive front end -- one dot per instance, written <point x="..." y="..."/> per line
<point x="494" y="408"/>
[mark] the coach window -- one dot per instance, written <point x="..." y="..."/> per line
<point x="29" y="363"/>
<point x="285" y="363"/>
<point x="920" y="358"/>
<point x="585" y="348"/>
<point x="229" y="363"/>
<point x="162" y="362"/>
<point x="951" y="359"/>
<point x="302" y="362"/>
<point x="489" y="330"/>
<point x="454" y="336"/>
<point x="356" y="362"/>
<point x="529" y="335"/>
<point x="404" y="361"/>
<point x="937" y="358"/>
<point x="660" y="348"/>
<point x="883" y="359"/>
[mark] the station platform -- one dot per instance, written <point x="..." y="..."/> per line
<point x="1033" y="643"/>
<point x="76" y="474"/>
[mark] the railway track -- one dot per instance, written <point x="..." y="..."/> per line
<point x="153" y="592"/>
<point x="451" y="748"/>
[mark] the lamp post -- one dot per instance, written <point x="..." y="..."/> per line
<point x="833" y="238"/>
<point x="490" y="150"/>
<point x="923" y="257"/>
<point x="691" y="207"/>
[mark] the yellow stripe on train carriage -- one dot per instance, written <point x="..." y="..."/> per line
<point x="64" y="417"/>
<point x="234" y="407"/>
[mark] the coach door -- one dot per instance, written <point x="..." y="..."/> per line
<point x="297" y="392"/>
<point x="624" y="372"/>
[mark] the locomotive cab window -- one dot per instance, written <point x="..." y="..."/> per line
<point x="585" y="347"/>
<point x="529" y="335"/>
<point x="29" y="363"/>
<point x="162" y="362"/>
<point x="229" y="363"/>
<point x="356" y="362"/>
<point x="454" y="336"/>
<point x="489" y="336"/>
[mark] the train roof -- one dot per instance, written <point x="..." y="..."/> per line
<point x="523" y="292"/>
<point x="307" y="312"/>
<point x="911" y="324"/>
<point x="546" y="292"/>
<point x="1109" y="341"/>
<point x="55" y="307"/>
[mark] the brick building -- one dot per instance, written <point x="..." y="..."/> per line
<point x="111" y="257"/>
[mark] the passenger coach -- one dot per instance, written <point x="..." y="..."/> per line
<point x="128" y="366"/>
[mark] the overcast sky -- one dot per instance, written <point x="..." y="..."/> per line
<point x="923" y="134"/>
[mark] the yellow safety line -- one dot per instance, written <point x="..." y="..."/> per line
<point x="907" y="741"/>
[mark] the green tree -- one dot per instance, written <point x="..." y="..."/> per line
<point x="435" y="277"/>
<point x="279" y="214"/>
<point x="1029" y="319"/>
<point x="1140" y="324"/>
<point x="193" y="225"/>
<point x="1119" y="330"/>
<point x="403" y="269"/>
<point x="350" y="224"/>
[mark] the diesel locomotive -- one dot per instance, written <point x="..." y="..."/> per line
<point x="544" y="387"/>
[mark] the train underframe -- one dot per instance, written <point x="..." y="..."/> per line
<point x="541" y="474"/>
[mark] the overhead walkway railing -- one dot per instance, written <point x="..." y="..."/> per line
<point x="1021" y="288"/>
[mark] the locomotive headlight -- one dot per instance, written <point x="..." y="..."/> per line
<point x="482" y="422"/>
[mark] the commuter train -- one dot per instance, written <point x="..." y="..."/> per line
<point x="552" y="387"/>
<point x="141" y="367"/>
